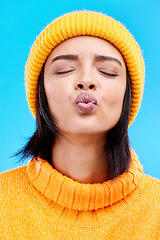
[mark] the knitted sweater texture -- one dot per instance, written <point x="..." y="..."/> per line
<point x="38" y="202"/>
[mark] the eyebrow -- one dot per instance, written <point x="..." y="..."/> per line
<point x="65" y="57"/>
<point x="99" y="58"/>
<point x="102" y="58"/>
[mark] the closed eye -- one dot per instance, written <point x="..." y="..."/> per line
<point x="109" y="74"/>
<point x="64" y="72"/>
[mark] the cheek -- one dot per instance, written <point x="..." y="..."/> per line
<point x="53" y="97"/>
<point x="56" y="94"/>
<point x="113" y="99"/>
<point x="115" y="93"/>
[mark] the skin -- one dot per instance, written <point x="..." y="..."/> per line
<point x="79" y="154"/>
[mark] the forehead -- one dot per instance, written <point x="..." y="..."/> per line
<point x="86" y="45"/>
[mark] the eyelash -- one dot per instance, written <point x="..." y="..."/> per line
<point x="64" y="72"/>
<point x="109" y="74"/>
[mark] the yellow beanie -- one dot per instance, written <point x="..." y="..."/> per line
<point x="91" y="24"/>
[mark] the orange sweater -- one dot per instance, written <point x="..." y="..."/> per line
<point x="37" y="202"/>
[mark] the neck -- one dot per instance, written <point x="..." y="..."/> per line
<point x="81" y="158"/>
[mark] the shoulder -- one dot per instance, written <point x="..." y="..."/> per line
<point x="12" y="179"/>
<point x="150" y="187"/>
<point x="151" y="181"/>
<point x="12" y="173"/>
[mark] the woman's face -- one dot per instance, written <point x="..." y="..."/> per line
<point x="85" y="82"/>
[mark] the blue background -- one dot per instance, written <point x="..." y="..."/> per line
<point x="22" y="21"/>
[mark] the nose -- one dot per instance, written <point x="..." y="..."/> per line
<point x="86" y="83"/>
<point x="85" y="86"/>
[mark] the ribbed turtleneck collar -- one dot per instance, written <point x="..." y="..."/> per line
<point x="81" y="196"/>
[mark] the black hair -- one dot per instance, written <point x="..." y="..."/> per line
<point x="117" y="146"/>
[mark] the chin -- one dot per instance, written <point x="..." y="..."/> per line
<point x="87" y="130"/>
<point x="86" y="125"/>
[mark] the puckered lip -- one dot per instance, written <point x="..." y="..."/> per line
<point x="86" y="97"/>
<point x="86" y="103"/>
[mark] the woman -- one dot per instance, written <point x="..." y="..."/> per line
<point x="84" y="83"/>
